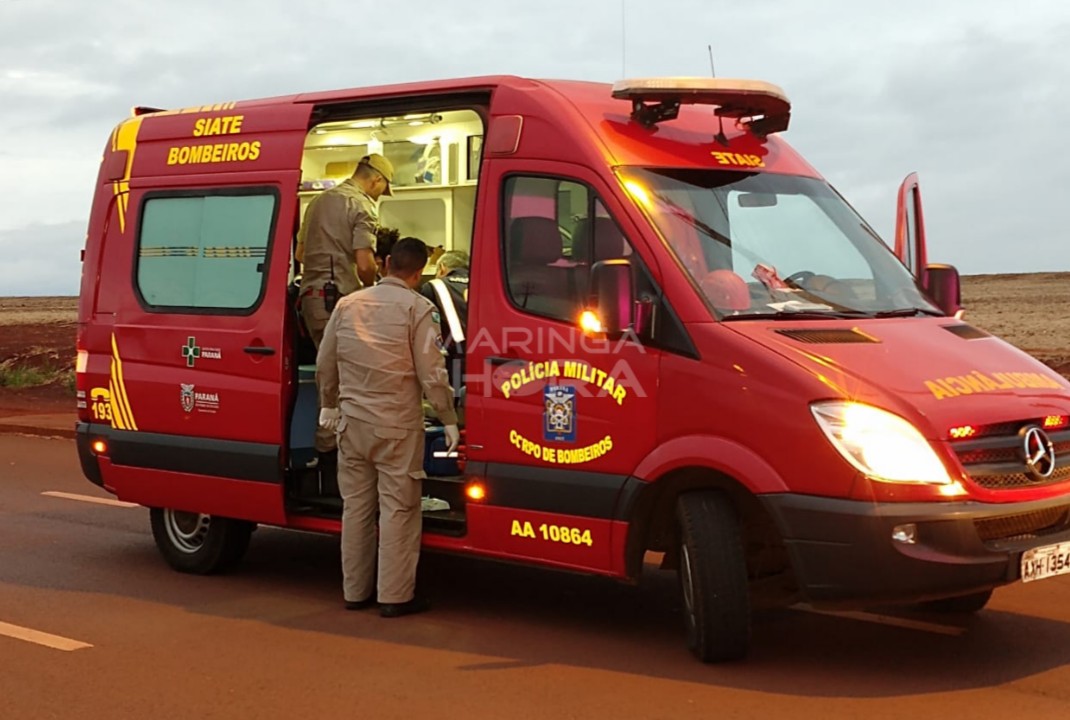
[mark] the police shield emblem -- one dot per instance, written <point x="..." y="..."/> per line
<point x="559" y="417"/>
<point x="187" y="397"/>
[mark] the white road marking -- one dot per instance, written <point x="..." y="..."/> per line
<point x="56" y="642"/>
<point x="888" y="620"/>
<point x="89" y="499"/>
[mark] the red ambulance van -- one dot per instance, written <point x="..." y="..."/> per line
<point x="681" y="340"/>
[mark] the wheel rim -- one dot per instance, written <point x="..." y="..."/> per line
<point x="686" y="586"/>
<point x="186" y="530"/>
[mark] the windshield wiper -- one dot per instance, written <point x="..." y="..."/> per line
<point x="799" y="315"/>
<point x="907" y="312"/>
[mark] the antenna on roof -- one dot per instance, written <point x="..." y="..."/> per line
<point x="623" y="72"/>
<point x="709" y="49"/>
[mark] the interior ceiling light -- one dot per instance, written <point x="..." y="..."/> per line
<point x="412" y="120"/>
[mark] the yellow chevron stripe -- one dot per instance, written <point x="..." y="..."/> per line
<point x="124" y="137"/>
<point x="117" y="420"/>
<point x="124" y="399"/>
<point x="118" y="412"/>
<point x="120" y="400"/>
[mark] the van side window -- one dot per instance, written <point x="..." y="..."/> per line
<point x="204" y="252"/>
<point x="554" y="230"/>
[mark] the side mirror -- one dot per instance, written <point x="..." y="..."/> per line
<point x="614" y="295"/>
<point x="944" y="287"/>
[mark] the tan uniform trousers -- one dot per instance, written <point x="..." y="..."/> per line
<point x="316" y="316"/>
<point x="380" y="467"/>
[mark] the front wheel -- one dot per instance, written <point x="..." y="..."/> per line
<point x="713" y="577"/>
<point x="198" y="543"/>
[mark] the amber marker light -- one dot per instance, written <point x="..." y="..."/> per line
<point x="1054" y="422"/>
<point x="476" y="492"/>
<point x="100" y="447"/>
<point x="590" y="323"/>
<point x="638" y="192"/>
<point x="962" y="432"/>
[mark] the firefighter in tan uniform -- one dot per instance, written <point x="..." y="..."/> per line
<point x="381" y="351"/>
<point x="338" y="232"/>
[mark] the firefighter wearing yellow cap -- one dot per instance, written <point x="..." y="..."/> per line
<point x="339" y="231"/>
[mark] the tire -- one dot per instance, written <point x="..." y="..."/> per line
<point x="713" y="577"/>
<point x="197" y="543"/>
<point x="963" y="604"/>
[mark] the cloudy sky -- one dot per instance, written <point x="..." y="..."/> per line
<point x="971" y="94"/>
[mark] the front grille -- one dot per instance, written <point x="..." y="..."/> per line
<point x="1024" y="525"/>
<point x="996" y="460"/>
<point x="1007" y="428"/>
<point x="1020" y="480"/>
<point x="985" y="456"/>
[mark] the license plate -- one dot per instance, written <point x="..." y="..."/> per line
<point x="1046" y="562"/>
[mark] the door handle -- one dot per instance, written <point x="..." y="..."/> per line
<point x="260" y="350"/>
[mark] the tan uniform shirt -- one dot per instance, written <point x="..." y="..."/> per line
<point x="381" y="348"/>
<point x="337" y="223"/>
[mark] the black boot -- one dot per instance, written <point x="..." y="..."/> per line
<point x="416" y="605"/>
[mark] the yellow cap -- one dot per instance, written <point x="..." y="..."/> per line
<point x="383" y="166"/>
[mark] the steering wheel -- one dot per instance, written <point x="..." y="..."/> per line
<point x="823" y="288"/>
<point x="799" y="279"/>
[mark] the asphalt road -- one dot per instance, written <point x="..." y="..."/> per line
<point x="123" y="636"/>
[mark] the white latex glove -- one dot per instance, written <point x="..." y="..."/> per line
<point x="329" y="418"/>
<point x="453" y="437"/>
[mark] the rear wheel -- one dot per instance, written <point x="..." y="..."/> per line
<point x="713" y="577"/>
<point x="963" y="604"/>
<point x="199" y="543"/>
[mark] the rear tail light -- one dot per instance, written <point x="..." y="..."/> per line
<point x="81" y="382"/>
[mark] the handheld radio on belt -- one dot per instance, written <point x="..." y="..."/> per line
<point x="330" y="291"/>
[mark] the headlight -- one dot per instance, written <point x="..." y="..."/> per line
<point x="881" y="445"/>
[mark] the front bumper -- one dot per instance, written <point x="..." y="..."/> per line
<point x="843" y="554"/>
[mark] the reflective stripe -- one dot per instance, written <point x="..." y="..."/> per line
<point x="454" y="320"/>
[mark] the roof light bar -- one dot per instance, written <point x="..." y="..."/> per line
<point x="761" y="107"/>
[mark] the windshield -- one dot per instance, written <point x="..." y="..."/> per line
<point x="781" y="246"/>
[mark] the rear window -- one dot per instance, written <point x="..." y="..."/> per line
<point x="204" y="251"/>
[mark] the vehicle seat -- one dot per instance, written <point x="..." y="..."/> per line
<point x="595" y="240"/>
<point x="540" y="278"/>
<point x="598" y="239"/>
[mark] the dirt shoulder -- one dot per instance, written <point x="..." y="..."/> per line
<point x="1027" y="310"/>
<point x="37" y="352"/>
